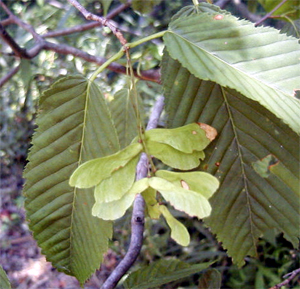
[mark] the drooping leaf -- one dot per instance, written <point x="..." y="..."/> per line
<point x="188" y="201"/>
<point x="120" y="181"/>
<point x="94" y="171"/>
<point x="162" y="272"/>
<point x="246" y="204"/>
<point x="175" y="158"/>
<point x="211" y="279"/>
<point x="179" y="232"/>
<point x="116" y="209"/>
<point x="124" y="117"/>
<point x="259" y="62"/>
<point x="200" y="182"/>
<point x="4" y="282"/>
<point x="290" y="8"/>
<point x="74" y="126"/>
<point x="187" y="139"/>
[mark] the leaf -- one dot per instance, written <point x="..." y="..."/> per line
<point x="162" y="272"/>
<point x="200" y="182"/>
<point x="74" y="126"/>
<point x="187" y="139"/>
<point x="144" y="6"/>
<point x="174" y="158"/>
<point x="149" y="196"/>
<point x="116" y="209"/>
<point x="245" y="205"/>
<point x="292" y="28"/>
<point x="188" y="201"/>
<point x="92" y="172"/>
<point x="289" y="8"/>
<point x="236" y="54"/>
<point x="123" y="115"/>
<point x="262" y="167"/>
<point x="179" y="232"/>
<point x="211" y="279"/>
<point x="120" y="181"/>
<point x="105" y="5"/>
<point x="4" y="282"/>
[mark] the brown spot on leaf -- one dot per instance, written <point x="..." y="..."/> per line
<point x="210" y="132"/>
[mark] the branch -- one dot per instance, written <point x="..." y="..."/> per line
<point x="150" y="75"/>
<point x="243" y="10"/>
<point x="290" y="276"/>
<point x="138" y="213"/>
<point x="87" y="26"/>
<point x="104" y="21"/>
<point x="270" y="13"/>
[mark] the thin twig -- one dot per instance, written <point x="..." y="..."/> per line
<point x="289" y="277"/>
<point x="270" y="13"/>
<point x="104" y="21"/>
<point x="87" y="26"/>
<point x="151" y="74"/>
<point x="243" y="10"/>
<point x="9" y="75"/>
<point x="138" y="214"/>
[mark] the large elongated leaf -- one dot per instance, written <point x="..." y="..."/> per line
<point x="124" y="116"/>
<point x="74" y="126"/>
<point x="162" y="272"/>
<point x="246" y="204"/>
<point x="259" y="62"/>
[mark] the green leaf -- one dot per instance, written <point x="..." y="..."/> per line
<point x="174" y="158"/>
<point x="262" y="167"/>
<point x="120" y="181"/>
<point x="292" y="28"/>
<point x="4" y="282"/>
<point x="144" y="6"/>
<point x="124" y="117"/>
<point x="200" y="182"/>
<point x="105" y="5"/>
<point x="162" y="272"/>
<point x="289" y="8"/>
<point x="246" y="204"/>
<point x="187" y="139"/>
<point x="74" y="126"/>
<point x="116" y="209"/>
<point x="179" y="232"/>
<point x="211" y="279"/>
<point x="92" y="172"/>
<point x="188" y="201"/>
<point x="149" y="196"/>
<point x="236" y="54"/>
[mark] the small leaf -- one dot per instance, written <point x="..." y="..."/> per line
<point x="211" y="279"/>
<point x="105" y="5"/>
<point x="179" y="232"/>
<point x="144" y="6"/>
<point x="4" y="282"/>
<point x="187" y="139"/>
<point x="120" y="181"/>
<point x="188" y="201"/>
<point x="116" y="209"/>
<point x="162" y="272"/>
<point x="174" y="158"/>
<point x="149" y="196"/>
<point x="93" y="172"/>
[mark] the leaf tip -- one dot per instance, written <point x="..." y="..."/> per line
<point x="210" y="132"/>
